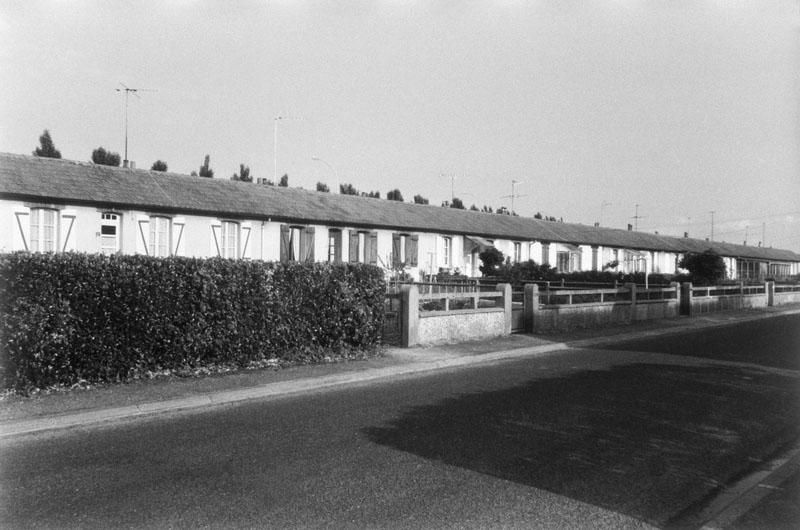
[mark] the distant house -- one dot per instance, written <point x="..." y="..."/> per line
<point x="56" y="205"/>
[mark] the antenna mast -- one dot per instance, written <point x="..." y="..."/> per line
<point x="127" y="91"/>
<point x="513" y="193"/>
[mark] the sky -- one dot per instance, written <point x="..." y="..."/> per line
<point x="593" y="107"/>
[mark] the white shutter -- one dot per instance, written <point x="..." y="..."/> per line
<point x="22" y="229"/>
<point x="216" y="238"/>
<point x="142" y="234"/>
<point x="245" y="244"/>
<point x="68" y="229"/>
<point x="178" y="236"/>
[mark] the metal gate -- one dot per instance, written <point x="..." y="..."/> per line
<point x="391" y="333"/>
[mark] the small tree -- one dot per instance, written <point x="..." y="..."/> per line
<point x="457" y="204"/>
<point x="347" y="189"/>
<point x="205" y="169"/>
<point x="105" y="158"/>
<point x="394" y="195"/>
<point x="492" y="260"/>
<point x="487" y="209"/>
<point x="159" y="165"/>
<point x="46" y="148"/>
<point x="284" y="183"/>
<point x="243" y="175"/>
<point x="321" y="186"/>
<point x="474" y="208"/>
<point x="372" y="194"/>
<point x="419" y="199"/>
<point x="706" y="268"/>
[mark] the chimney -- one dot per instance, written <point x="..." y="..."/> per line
<point x="132" y="164"/>
<point x="596" y="224"/>
<point x="125" y="163"/>
<point x="630" y="227"/>
<point x="686" y="234"/>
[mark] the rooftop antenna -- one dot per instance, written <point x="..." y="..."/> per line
<point x="636" y="219"/>
<point x="135" y="92"/>
<point x="513" y="193"/>
<point x="712" y="224"/>
<point x="602" y="207"/>
<point x="275" y="121"/>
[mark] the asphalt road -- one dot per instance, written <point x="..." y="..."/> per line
<point x="583" y="438"/>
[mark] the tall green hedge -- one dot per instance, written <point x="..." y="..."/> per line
<point x="71" y="317"/>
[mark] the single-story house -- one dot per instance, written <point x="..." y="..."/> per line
<point x="55" y="205"/>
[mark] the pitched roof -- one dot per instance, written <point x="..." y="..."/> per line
<point x="32" y="178"/>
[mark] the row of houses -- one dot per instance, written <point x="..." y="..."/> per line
<point x="54" y="205"/>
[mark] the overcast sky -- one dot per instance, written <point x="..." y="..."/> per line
<point x="680" y="107"/>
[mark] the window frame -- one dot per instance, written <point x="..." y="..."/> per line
<point x="158" y="239"/>
<point x="37" y="236"/>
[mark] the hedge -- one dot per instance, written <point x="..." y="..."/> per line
<point x="67" y="318"/>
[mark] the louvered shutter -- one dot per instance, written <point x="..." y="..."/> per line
<point x="353" y="247"/>
<point x="286" y="243"/>
<point x="411" y="250"/>
<point x="373" y="248"/>
<point x="307" y="244"/>
<point x="396" y="250"/>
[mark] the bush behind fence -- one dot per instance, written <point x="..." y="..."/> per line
<point x="66" y="318"/>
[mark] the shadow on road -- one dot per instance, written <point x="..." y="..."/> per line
<point x="646" y="440"/>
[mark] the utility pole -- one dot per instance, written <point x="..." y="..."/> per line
<point x="763" y="234"/>
<point x="275" y="149"/>
<point x="128" y="91"/>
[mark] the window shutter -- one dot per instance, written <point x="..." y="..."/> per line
<point x="307" y="244"/>
<point x="411" y="250"/>
<point x="68" y="230"/>
<point x="143" y="235"/>
<point x="353" y="246"/>
<point x="373" y="248"/>
<point x="21" y="230"/>
<point x="395" y="250"/>
<point x="337" y="246"/>
<point x="216" y="238"/>
<point x="286" y="243"/>
<point x="245" y="246"/>
<point x="179" y="245"/>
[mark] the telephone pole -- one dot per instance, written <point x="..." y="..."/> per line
<point x="712" y="224"/>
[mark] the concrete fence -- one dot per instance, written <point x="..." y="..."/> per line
<point x="449" y="314"/>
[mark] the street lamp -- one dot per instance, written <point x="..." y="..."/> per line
<point x="333" y="169"/>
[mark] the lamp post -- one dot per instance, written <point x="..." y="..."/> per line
<point x="333" y="169"/>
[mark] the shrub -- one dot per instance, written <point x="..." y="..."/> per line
<point x="70" y="317"/>
<point x="706" y="268"/>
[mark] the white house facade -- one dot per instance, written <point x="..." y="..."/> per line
<point x="49" y="205"/>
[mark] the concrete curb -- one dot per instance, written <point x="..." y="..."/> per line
<point x="316" y="384"/>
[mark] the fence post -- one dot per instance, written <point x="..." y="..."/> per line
<point x="530" y="305"/>
<point x="769" y="289"/>
<point x="410" y="316"/>
<point x="632" y="287"/>
<point x="507" y="304"/>
<point x="677" y="287"/>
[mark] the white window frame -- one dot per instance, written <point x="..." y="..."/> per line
<point x="39" y="240"/>
<point x="517" y="251"/>
<point x="229" y="239"/>
<point x="110" y="219"/>
<point x="160" y="241"/>
<point x="447" y="251"/>
<point x="332" y="244"/>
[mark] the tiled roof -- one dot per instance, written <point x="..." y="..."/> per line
<point x="63" y="181"/>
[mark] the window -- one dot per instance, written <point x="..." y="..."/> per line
<point x="562" y="261"/>
<point x="545" y="253"/>
<point x="44" y="230"/>
<point x="404" y="250"/>
<point x="159" y="236"/>
<point x="363" y="247"/>
<point x="109" y="233"/>
<point x="447" y="251"/>
<point x="229" y="244"/>
<point x="517" y="252"/>
<point x="297" y="243"/>
<point x="334" y="246"/>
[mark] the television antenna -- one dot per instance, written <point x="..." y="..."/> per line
<point x="636" y="218"/>
<point x="514" y="193"/>
<point x="127" y="90"/>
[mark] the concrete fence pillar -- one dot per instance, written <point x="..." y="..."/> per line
<point x="632" y="288"/>
<point x="505" y="288"/>
<point x="769" y="289"/>
<point x="410" y="315"/>
<point x="530" y="305"/>
<point x="677" y="287"/>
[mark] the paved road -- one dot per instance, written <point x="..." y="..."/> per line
<point x="583" y="438"/>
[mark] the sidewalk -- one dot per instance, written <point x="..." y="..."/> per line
<point x="80" y="407"/>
